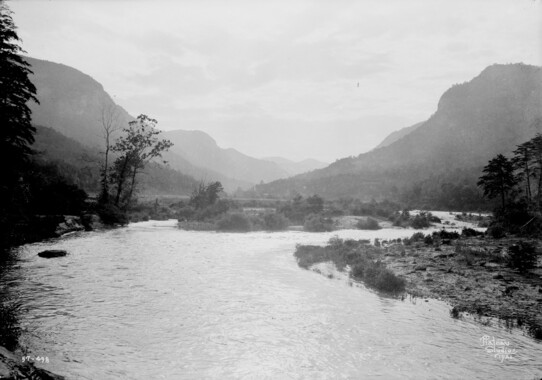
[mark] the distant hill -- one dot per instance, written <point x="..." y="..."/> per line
<point x="81" y="165"/>
<point x="71" y="102"/>
<point x="474" y="121"/>
<point x="397" y="135"/>
<point x="294" y="168"/>
<point x="201" y="150"/>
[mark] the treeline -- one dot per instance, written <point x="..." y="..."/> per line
<point x="420" y="187"/>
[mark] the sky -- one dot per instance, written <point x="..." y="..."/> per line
<point x="296" y="79"/>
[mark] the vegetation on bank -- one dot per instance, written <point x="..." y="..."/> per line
<point x="363" y="259"/>
<point x="517" y="184"/>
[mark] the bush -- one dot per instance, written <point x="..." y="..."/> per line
<point x="522" y="256"/>
<point x="111" y="214"/>
<point x="420" y="221"/>
<point x="235" y="222"/>
<point x="368" y="224"/>
<point x="317" y="223"/>
<point x="377" y="276"/>
<point x="496" y="231"/>
<point x="469" y="232"/>
<point x="275" y="222"/>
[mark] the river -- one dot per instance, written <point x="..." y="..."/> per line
<point x="150" y="301"/>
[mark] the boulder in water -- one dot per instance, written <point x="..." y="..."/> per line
<point x="49" y="254"/>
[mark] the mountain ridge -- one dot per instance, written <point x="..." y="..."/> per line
<point x="474" y="121"/>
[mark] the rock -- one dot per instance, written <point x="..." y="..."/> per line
<point x="92" y="222"/>
<point x="49" y="254"/>
<point x="40" y="373"/>
<point x="443" y="255"/>
<point x="510" y="289"/>
<point x="5" y="372"/>
<point x="70" y="224"/>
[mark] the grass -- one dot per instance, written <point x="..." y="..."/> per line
<point x="363" y="259"/>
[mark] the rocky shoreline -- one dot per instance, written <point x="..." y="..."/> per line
<point x="473" y="278"/>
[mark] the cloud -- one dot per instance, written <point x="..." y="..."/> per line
<point x="252" y="72"/>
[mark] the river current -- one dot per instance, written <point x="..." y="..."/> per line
<point x="150" y="301"/>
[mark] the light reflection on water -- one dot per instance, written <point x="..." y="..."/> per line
<point x="152" y="301"/>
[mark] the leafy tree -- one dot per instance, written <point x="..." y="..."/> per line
<point x="205" y="195"/>
<point x="139" y="145"/>
<point x="499" y="179"/>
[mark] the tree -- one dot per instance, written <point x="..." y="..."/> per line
<point x="523" y="156"/>
<point x="16" y="130"/>
<point x="109" y="119"/>
<point x="499" y="179"/>
<point x="205" y="195"/>
<point x="139" y="145"/>
<point x="16" y="89"/>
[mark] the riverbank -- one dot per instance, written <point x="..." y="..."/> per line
<point x="471" y="274"/>
<point x="20" y="366"/>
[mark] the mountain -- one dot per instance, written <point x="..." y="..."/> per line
<point x="474" y="121"/>
<point x="81" y="165"/>
<point x="397" y="135"/>
<point x="72" y="103"/>
<point x="201" y="150"/>
<point x="294" y="168"/>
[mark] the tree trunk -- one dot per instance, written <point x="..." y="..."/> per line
<point x="121" y="179"/>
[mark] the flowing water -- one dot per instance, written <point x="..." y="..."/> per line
<point x="151" y="301"/>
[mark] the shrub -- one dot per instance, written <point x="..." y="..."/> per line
<point x="111" y="214"/>
<point x="377" y="276"/>
<point x="447" y="235"/>
<point x="420" y="221"/>
<point x="275" y="222"/>
<point x="368" y="224"/>
<point x="469" y="232"/>
<point x="235" y="222"/>
<point x="317" y="223"/>
<point x="522" y="256"/>
<point x="428" y="240"/>
<point x="496" y="231"/>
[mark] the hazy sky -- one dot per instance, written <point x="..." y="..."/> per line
<point x="280" y="78"/>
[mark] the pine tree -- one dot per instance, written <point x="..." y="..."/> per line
<point x="499" y="179"/>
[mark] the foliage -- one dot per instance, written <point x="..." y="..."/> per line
<point x="16" y="90"/>
<point x="275" y="221"/>
<point x="469" y="232"/>
<point x="317" y="223"/>
<point x="136" y="148"/>
<point x="522" y="256"/>
<point x="299" y="208"/>
<point x="110" y="214"/>
<point x="499" y="179"/>
<point x="205" y="195"/>
<point x="234" y="222"/>
<point x="496" y="231"/>
<point x="368" y="224"/>
<point x="362" y="258"/>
